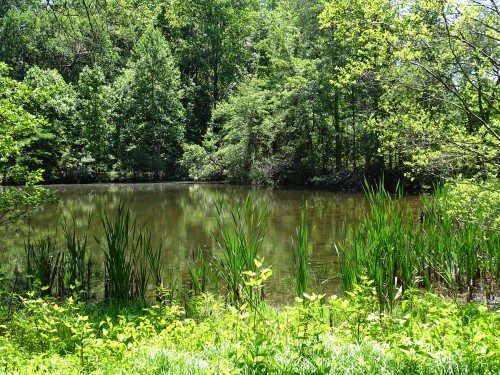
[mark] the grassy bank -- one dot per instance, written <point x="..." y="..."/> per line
<point x="316" y="335"/>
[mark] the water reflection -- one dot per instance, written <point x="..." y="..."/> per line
<point x="182" y="216"/>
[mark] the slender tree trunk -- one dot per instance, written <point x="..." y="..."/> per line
<point x="353" y="107"/>
<point x="338" y="134"/>
<point x="215" y="81"/>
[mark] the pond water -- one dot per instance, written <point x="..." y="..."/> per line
<point x="183" y="217"/>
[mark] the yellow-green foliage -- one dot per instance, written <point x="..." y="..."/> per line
<point x="318" y="334"/>
<point x="471" y="201"/>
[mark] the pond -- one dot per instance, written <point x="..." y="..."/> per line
<point x="183" y="217"/>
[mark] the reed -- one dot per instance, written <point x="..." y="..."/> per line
<point x="242" y="229"/>
<point x="154" y="257"/>
<point x="199" y="271"/>
<point x="120" y="249"/>
<point x="77" y="262"/>
<point x="382" y="248"/>
<point x="491" y="262"/>
<point x="140" y="281"/>
<point x="301" y="253"/>
<point x="42" y="259"/>
<point x="396" y="253"/>
<point x="131" y="261"/>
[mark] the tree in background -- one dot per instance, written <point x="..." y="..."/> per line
<point x="94" y="124"/>
<point x="148" y="111"/>
<point x="212" y="42"/>
<point x="18" y="129"/>
<point x="437" y="63"/>
<point x="272" y="92"/>
<point x="58" y="152"/>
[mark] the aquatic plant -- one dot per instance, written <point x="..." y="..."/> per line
<point x="42" y="261"/>
<point x="242" y="228"/>
<point x="120" y="251"/>
<point x="381" y="247"/>
<point x="131" y="260"/>
<point x="395" y="251"/>
<point x="76" y="259"/>
<point x="199" y="270"/>
<point x="302" y="250"/>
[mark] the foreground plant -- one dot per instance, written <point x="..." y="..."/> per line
<point x="317" y="334"/>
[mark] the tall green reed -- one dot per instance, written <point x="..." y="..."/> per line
<point x="199" y="270"/>
<point x="396" y="252"/>
<point x="119" y="248"/>
<point x="131" y="260"/>
<point x="42" y="260"/>
<point x="491" y="262"/>
<point x="242" y="229"/>
<point x="380" y="248"/>
<point x="468" y="252"/>
<point x="301" y="253"/>
<point x="140" y="269"/>
<point x="76" y="259"/>
<point x="154" y="257"/>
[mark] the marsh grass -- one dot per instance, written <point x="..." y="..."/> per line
<point x="397" y="252"/>
<point x="120" y="249"/>
<point x="42" y="259"/>
<point x="391" y="247"/>
<point x="154" y="256"/>
<point x="467" y="252"/>
<point x="131" y="261"/>
<point x="200" y="270"/>
<point x="378" y="248"/>
<point x="242" y="227"/>
<point x="76" y="262"/>
<point x="302" y="250"/>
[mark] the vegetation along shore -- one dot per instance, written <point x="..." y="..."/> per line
<point x="382" y="96"/>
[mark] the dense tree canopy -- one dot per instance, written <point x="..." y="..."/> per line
<point x="18" y="130"/>
<point x="264" y="92"/>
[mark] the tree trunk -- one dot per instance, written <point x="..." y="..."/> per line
<point x="338" y="134"/>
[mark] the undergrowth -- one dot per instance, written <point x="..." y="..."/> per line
<point x="315" y="335"/>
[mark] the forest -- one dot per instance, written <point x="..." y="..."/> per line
<point x="265" y="92"/>
<point x="382" y="95"/>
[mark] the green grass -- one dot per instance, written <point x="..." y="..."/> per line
<point x="131" y="261"/>
<point x="316" y="335"/>
<point x="77" y="262"/>
<point x="42" y="265"/>
<point x="398" y="253"/>
<point x="200" y="271"/>
<point x="120" y="250"/>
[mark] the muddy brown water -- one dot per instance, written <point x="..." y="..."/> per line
<point x="183" y="217"/>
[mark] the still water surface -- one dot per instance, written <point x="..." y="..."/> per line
<point x="183" y="217"/>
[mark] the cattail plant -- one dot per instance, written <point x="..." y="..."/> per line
<point x="242" y="229"/>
